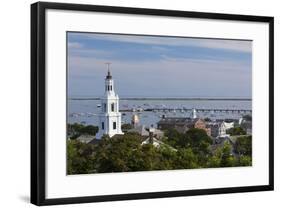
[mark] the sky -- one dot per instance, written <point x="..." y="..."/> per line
<point x="159" y="66"/>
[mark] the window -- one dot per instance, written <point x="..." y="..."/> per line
<point x="111" y="87"/>
<point x="114" y="125"/>
<point x="104" y="107"/>
<point x="112" y="107"/>
<point x="102" y="125"/>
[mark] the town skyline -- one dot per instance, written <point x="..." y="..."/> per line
<point x="150" y="66"/>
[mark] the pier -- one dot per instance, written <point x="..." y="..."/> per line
<point x="213" y="110"/>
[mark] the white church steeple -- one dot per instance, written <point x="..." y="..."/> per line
<point x="109" y="117"/>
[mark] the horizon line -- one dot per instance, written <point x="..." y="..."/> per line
<point x="166" y="98"/>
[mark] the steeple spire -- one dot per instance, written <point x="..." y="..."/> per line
<point x="108" y="71"/>
<point x="110" y="117"/>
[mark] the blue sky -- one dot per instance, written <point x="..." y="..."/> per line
<point x="153" y="66"/>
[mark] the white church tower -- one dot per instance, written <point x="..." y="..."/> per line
<point x="110" y="118"/>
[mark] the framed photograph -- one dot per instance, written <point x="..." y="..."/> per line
<point x="134" y="103"/>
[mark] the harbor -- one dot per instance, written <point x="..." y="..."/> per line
<point x="150" y="111"/>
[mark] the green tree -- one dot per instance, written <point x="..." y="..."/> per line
<point x="123" y="153"/>
<point x="247" y="117"/>
<point x="245" y="160"/>
<point x="75" y="130"/>
<point x="90" y="130"/>
<point x="200" y="143"/>
<point x="195" y="139"/>
<point x="186" y="159"/>
<point x="79" y="157"/>
<point x="118" y="154"/>
<point x="151" y="157"/>
<point x="167" y="158"/>
<point x="243" y="145"/>
<point x="173" y="137"/>
<point x="227" y="159"/>
<point x="207" y="119"/>
<point x="126" y="127"/>
<point x="236" y="131"/>
<point x="214" y="162"/>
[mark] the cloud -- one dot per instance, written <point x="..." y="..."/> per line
<point x="168" y="77"/>
<point x="166" y="63"/>
<point x="89" y="52"/>
<point x="223" y="44"/>
<point x="235" y="45"/>
<point x="163" y="71"/>
<point x="80" y="50"/>
<point x="76" y="45"/>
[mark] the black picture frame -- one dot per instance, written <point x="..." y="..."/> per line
<point x="38" y="102"/>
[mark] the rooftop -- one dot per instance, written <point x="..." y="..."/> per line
<point x="178" y="120"/>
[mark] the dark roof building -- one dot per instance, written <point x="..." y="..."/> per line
<point x="183" y="124"/>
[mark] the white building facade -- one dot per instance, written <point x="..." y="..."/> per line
<point x="223" y="127"/>
<point x="110" y="118"/>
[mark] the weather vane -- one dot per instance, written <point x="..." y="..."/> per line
<point x="108" y="64"/>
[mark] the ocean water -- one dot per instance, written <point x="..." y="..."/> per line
<point x="86" y="111"/>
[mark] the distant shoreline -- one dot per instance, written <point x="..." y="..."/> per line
<point x="169" y="98"/>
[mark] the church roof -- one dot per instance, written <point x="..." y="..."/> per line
<point x="179" y="120"/>
<point x="141" y="130"/>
